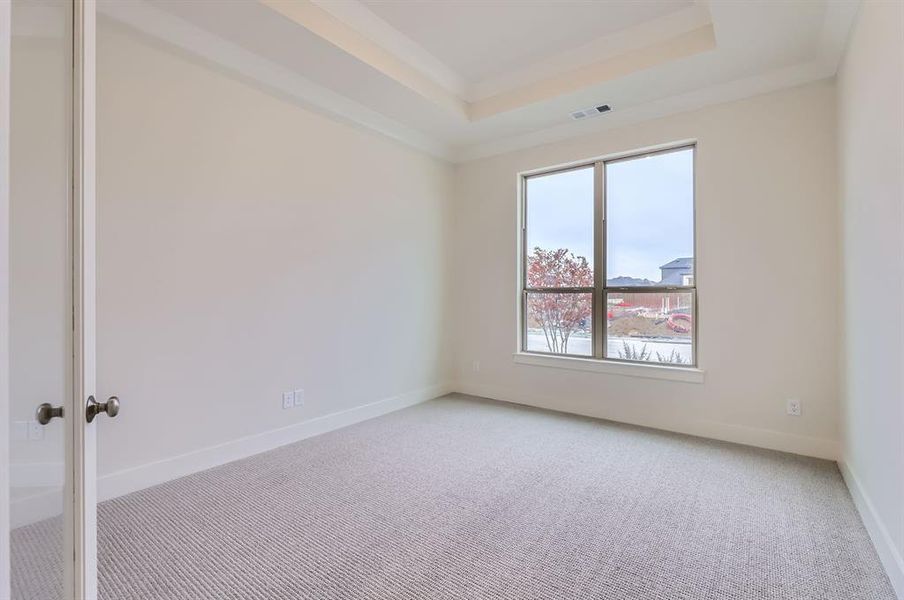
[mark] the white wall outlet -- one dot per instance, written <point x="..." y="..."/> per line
<point x="794" y="407"/>
<point x="288" y="399"/>
<point x="35" y="431"/>
<point x="476" y="366"/>
<point x="299" y="397"/>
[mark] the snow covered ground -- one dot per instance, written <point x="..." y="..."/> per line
<point x="582" y="346"/>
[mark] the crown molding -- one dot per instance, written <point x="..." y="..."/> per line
<point x="324" y="24"/>
<point x="157" y="23"/>
<point x="356" y="30"/>
<point x="161" y="24"/>
<point x="682" y="46"/>
<point x="357" y="16"/>
<point x="609" y="46"/>
<point x="771" y="81"/>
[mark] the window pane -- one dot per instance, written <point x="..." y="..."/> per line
<point x="650" y="220"/>
<point x="560" y="229"/>
<point x="560" y="323"/>
<point x="650" y="326"/>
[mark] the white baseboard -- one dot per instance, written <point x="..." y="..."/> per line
<point x="143" y="476"/>
<point x="739" y="434"/>
<point x="882" y="540"/>
<point x="133" y="479"/>
<point x="130" y="480"/>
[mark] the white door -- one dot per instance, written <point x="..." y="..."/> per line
<point x="47" y="313"/>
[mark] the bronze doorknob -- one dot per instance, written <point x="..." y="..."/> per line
<point x="94" y="408"/>
<point x="46" y="412"/>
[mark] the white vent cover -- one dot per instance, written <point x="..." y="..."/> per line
<point x="593" y="111"/>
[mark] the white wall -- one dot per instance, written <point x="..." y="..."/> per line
<point x="871" y="165"/>
<point x="249" y="246"/>
<point x="767" y="277"/>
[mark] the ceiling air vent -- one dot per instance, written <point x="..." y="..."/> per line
<point x="590" y="112"/>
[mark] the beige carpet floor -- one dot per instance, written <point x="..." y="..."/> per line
<point x="464" y="498"/>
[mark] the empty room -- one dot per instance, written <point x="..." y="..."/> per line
<point x="451" y="299"/>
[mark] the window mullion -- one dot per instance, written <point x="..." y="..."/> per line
<point x="599" y="260"/>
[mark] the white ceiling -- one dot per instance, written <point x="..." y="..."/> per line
<point x="462" y="79"/>
<point x="483" y="40"/>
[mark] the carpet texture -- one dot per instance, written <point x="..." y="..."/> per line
<point x="464" y="498"/>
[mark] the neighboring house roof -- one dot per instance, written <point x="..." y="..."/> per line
<point x="679" y="263"/>
<point x="673" y="272"/>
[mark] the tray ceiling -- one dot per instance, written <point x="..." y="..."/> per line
<point x="463" y="79"/>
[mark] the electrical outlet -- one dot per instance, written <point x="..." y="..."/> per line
<point x="35" y="431"/>
<point x="299" y="397"/>
<point x="794" y="407"/>
<point x="288" y="399"/>
<point x="476" y="366"/>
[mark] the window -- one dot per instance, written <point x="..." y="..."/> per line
<point x="608" y="260"/>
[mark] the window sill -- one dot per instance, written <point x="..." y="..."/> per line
<point x="685" y="374"/>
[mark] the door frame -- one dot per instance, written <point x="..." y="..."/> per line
<point x="5" y="50"/>
<point x="80" y="490"/>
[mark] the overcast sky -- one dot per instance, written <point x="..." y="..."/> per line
<point x="649" y="202"/>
